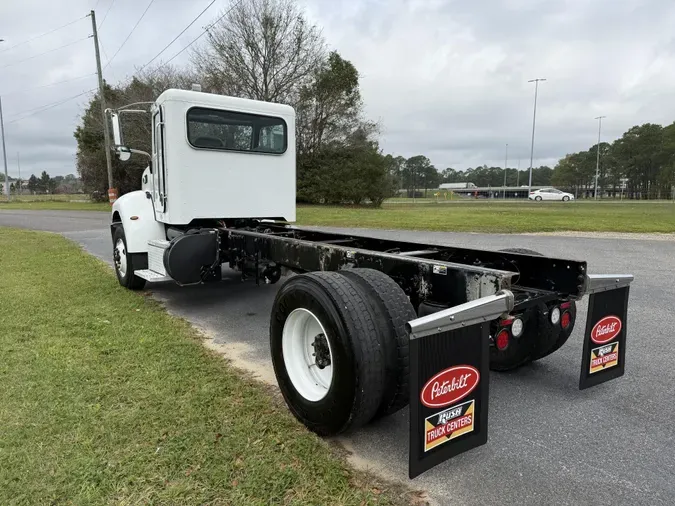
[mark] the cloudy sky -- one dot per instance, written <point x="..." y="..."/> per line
<point x="445" y="78"/>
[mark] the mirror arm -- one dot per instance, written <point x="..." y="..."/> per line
<point x="140" y="152"/>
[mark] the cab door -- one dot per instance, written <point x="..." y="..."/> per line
<point x="159" y="196"/>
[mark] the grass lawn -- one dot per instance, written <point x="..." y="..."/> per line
<point x="466" y="215"/>
<point x="503" y="217"/>
<point x="106" y="399"/>
<point x="59" y="205"/>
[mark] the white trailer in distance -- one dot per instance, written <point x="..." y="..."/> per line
<point x="366" y="326"/>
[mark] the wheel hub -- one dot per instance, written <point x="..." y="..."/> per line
<point x="307" y="354"/>
<point x="321" y="351"/>
<point x="120" y="257"/>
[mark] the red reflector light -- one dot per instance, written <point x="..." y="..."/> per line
<point x="565" y="305"/>
<point x="565" y="319"/>
<point x="506" y="322"/>
<point x="502" y="341"/>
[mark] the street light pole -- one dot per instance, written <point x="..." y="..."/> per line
<point x="4" y="151"/>
<point x="506" y="157"/>
<point x="18" y="163"/>
<point x="518" y="175"/>
<point x="597" y="161"/>
<point x="534" y="120"/>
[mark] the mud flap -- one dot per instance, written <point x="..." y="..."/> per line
<point x="605" y="336"/>
<point x="449" y="379"/>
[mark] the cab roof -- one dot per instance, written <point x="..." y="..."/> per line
<point x="198" y="98"/>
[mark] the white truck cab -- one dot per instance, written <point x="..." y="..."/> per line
<point x="213" y="157"/>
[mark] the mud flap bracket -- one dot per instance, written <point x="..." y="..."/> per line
<point x="449" y="378"/>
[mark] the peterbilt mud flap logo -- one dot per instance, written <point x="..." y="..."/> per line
<point x="604" y="357"/>
<point x="450" y="386"/>
<point x="606" y="329"/>
<point x="448" y="424"/>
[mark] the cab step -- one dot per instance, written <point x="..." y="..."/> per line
<point x="152" y="276"/>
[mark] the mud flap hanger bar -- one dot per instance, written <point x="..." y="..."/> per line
<point x="604" y="282"/>
<point x="470" y="313"/>
<point x="449" y="379"/>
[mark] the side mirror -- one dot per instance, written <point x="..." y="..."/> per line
<point x="123" y="153"/>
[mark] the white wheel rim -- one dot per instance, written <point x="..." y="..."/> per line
<point x="299" y="344"/>
<point x="121" y="258"/>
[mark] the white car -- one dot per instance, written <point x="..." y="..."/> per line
<point x="550" y="194"/>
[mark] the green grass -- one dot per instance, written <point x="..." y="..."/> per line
<point x="504" y="217"/>
<point x="106" y="399"/>
<point x="467" y="215"/>
<point x="55" y="197"/>
<point x="59" y="205"/>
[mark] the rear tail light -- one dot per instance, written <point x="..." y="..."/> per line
<point x="515" y="323"/>
<point x="555" y="315"/>
<point x="565" y="305"/>
<point x="565" y="319"/>
<point x="502" y="340"/>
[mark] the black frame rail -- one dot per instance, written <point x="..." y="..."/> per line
<point x="443" y="274"/>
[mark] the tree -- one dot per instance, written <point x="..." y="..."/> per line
<point x="33" y="184"/>
<point x="419" y="173"/>
<point x="395" y="167"/>
<point x="43" y="182"/>
<point x="451" y="175"/>
<point x="329" y="108"/>
<point x="260" y="49"/>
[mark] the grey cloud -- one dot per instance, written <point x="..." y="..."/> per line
<point x="445" y="78"/>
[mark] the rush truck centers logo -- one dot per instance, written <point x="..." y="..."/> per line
<point x="604" y="357"/>
<point x="448" y="424"/>
<point x="449" y="386"/>
<point x="606" y="329"/>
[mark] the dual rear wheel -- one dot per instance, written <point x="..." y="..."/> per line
<point x="340" y="349"/>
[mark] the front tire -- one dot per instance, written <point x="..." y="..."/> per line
<point x="565" y="198"/>
<point x="125" y="262"/>
<point x="321" y="320"/>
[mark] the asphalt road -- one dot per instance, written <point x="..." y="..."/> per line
<point x="548" y="442"/>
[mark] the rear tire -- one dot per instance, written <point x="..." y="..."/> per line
<point x="355" y="354"/>
<point x="537" y="198"/>
<point x="124" y="262"/>
<point x="393" y="310"/>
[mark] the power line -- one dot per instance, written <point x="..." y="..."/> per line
<point x="176" y="37"/>
<point x="47" y="85"/>
<point x="38" y="110"/>
<point x="130" y="33"/>
<point x="46" y="52"/>
<point x="105" y="16"/>
<point x="42" y="35"/>
<point x="203" y="32"/>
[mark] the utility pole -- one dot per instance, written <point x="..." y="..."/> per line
<point x="4" y="151"/>
<point x="18" y="163"/>
<point x="597" y="161"/>
<point x="106" y="133"/>
<point x="506" y="157"/>
<point x="534" y="120"/>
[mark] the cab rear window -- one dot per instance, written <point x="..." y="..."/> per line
<point x="236" y="131"/>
